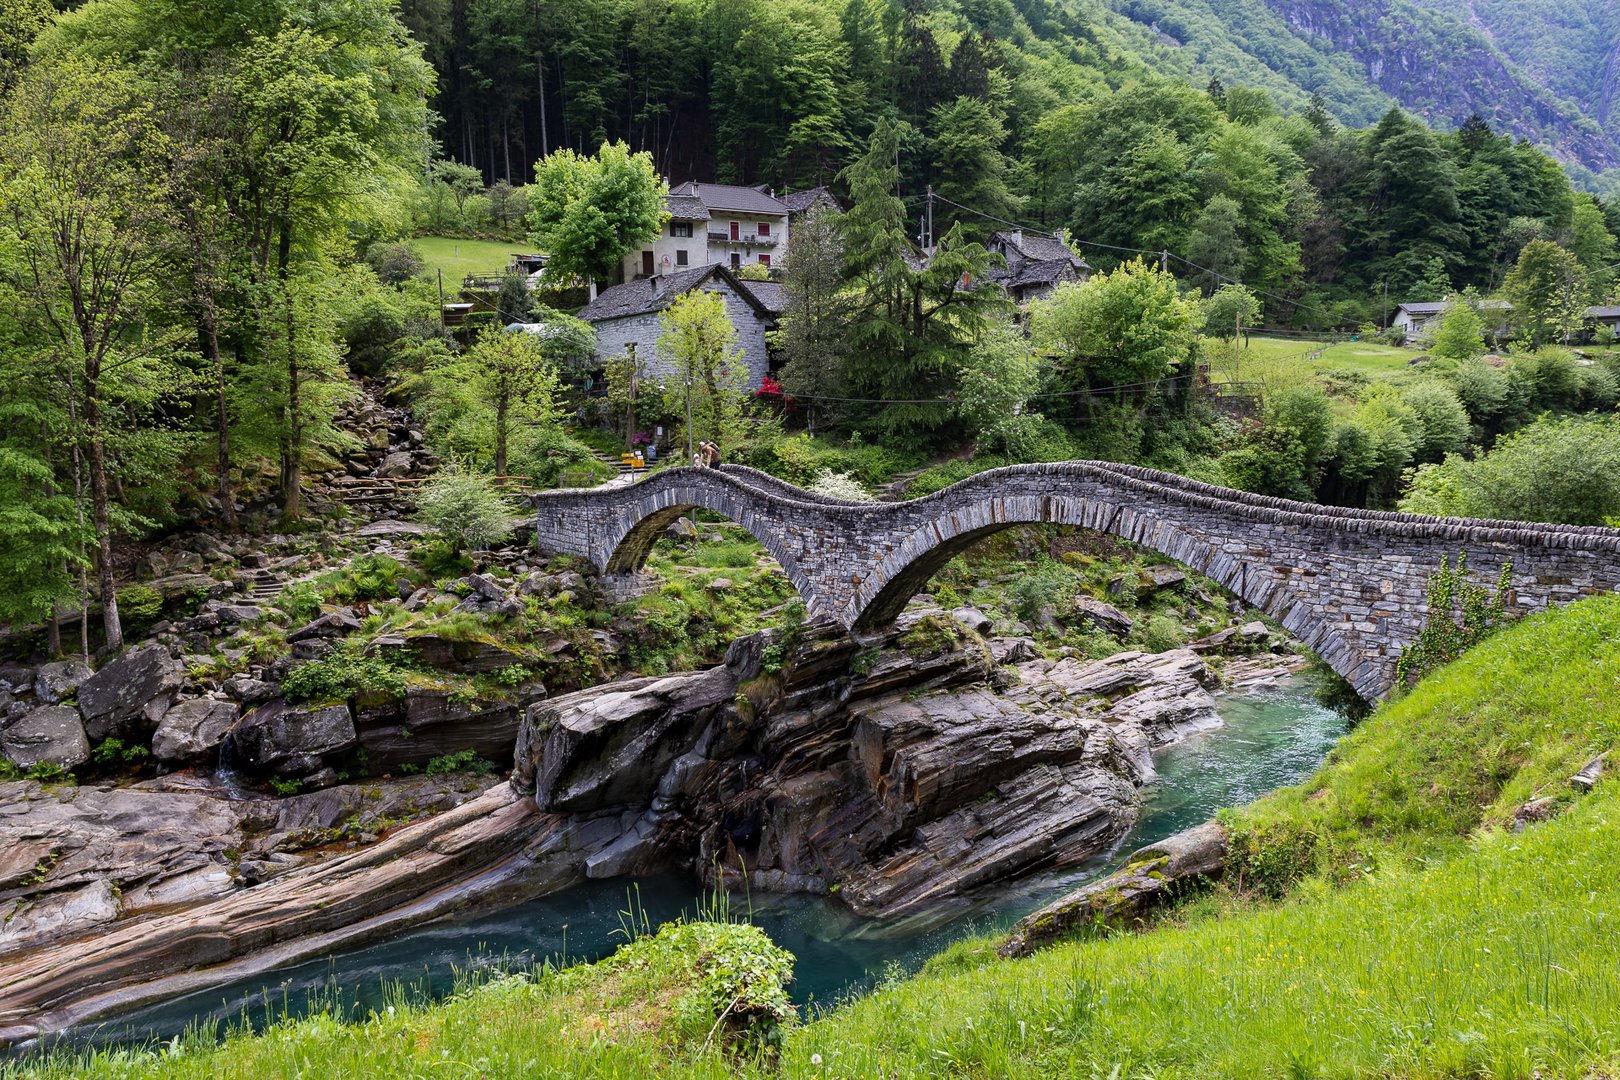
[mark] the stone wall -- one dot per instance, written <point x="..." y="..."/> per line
<point x="614" y="335"/>
<point x="1351" y="584"/>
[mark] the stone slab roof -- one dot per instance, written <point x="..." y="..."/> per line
<point x="772" y="295"/>
<point x="647" y="295"/>
<point x="686" y="208"/>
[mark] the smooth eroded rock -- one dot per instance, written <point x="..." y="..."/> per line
<point x="52" y="733"/>
<point x="192" y="730"/>
<point x="128" y="696"/>
<point x="291" y="740"/>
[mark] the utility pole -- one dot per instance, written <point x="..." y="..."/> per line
<point x="1164" y="262"/>
<point x="441" y="298"/>
<point x="630" y="430"/>
<point x="1237" y="344"/>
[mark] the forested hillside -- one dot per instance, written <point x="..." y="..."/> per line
<point x="1542" y="70"/>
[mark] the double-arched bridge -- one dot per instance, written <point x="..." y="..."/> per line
<point x="1350" y="584"/>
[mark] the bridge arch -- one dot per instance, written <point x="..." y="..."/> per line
<point x="907" y="569"/>
<point x="637" y="524"/>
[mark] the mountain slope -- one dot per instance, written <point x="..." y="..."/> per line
<point x="1544" y="70"/>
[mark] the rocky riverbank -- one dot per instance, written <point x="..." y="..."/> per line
<point x="897" y="772"/>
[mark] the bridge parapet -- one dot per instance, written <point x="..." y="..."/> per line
<point x="1351" y="584"/>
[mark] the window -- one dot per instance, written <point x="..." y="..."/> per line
<point x="764" y="228"/>
<point x="736" y="230"/>
<point x="680" y="257"/>
<point x="681" y="229"/>
<point x="764" y="260"/>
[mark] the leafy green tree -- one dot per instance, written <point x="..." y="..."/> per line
<point x="811" y="338"/>
<point x="20" y="22"/>
<point x="708" y="381"/>
<point x="1229" y="308"/>
<point x="589" y="212"/>
<point x="1564" y="470"/>
<point x="501" y="388"/>
<point x="1434" y="285"/>
<point x="1126" y="329"/>
<point x="1546" y="289"/>
<point x="1286" y="454"/>
<point x="1443" y="422"/>
<point x="1461" y="333"/>
<point x="1216" y="244"/>
<point x="83" y="209"/>
<point x="994" y="387"/>
<point x="912" y="319"/>
<point x="970" y="167"/>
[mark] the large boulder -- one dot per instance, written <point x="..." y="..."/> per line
<point x="289" y="740"/>
<point x="399" y="463"/>
<point x="1151" y="876"/>
<point x="51" y="733"/>
<point x="1106" y="617"/>
<point x="128" y="697"/>
<point x="59" y="680"/>
<point x="193" y="730"/>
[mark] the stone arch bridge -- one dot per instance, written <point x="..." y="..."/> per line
<point x="1351" y="584"/>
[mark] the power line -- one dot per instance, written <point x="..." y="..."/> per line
<point x="1165" y="252"/>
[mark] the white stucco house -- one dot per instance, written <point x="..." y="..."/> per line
<point x="714" y="224"/>
<point x="1414" y="319"/>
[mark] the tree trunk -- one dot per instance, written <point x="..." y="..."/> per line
<point x="101" y="519"/>
<point x="292" y="463"/>
<point x="208" y="339"/>
<point x="500" y="436"/>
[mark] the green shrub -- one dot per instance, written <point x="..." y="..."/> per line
<point x="300" y="601"/>
<point x="139" y="606"/>
<point x="345" y="672"/>
<point x="1049" y="585"/>
<point x="441" y="559"/>
<point x="469" y="511"/>
<point x="460" y="761"/>
<point x="113" y="752"/>
<point x="1161" y="633"/>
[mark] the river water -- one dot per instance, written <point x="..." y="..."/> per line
<point x="1271" y="738"/>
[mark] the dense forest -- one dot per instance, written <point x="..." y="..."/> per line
<point x="1029" y="112"/>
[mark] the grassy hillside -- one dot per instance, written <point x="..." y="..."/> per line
<point x="1417" y="938"/>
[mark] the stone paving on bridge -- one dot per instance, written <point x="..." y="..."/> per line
<point x="1351" y="584"/>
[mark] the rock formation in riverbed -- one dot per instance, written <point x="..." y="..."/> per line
<point x="898" y="771"/>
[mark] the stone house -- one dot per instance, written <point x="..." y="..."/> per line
<point x="630" y="314"/>
<point x="1036" y="263"/>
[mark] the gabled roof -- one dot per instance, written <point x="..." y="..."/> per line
<point x="745" y="200"/>
<point x="772" y="295"/>
<point x="798" y="202"/>
<point x="686" y="208"/>
<point x="1038" y="247"/>
<point x="1603" y="312"/>
<point x="1426" y="307"/>
<point x="648" y="295"/>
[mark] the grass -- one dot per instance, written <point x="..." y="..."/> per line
<point x="1459" y="948"/>
<point x="1509" y="722"/>
<point x="458" y="257"/>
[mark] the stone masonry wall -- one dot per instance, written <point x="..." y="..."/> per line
<point x="1351" y="584"/>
